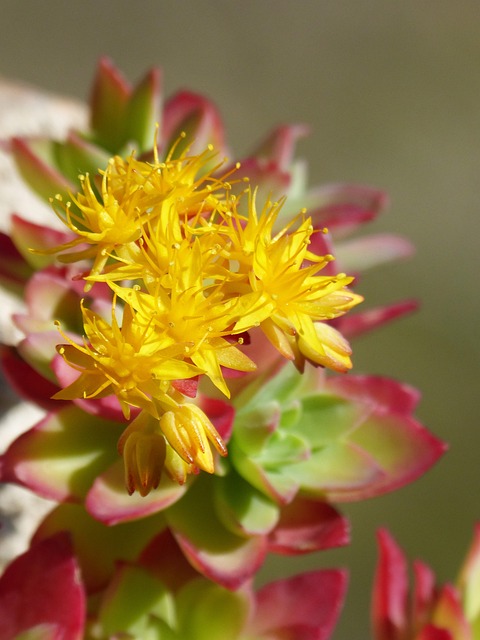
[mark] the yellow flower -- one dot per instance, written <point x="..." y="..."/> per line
<point x="187" y="311"/>
<point x="134" y="361"/>
<point x="105" y="223"/>
<point x="281" y="290"/>
<point x="135" y="197"/>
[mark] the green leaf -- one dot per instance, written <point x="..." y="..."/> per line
<point x="109" y="107"/>
<point x="206" y="611"/>
<point x="339" y="470"/>
<point x="144" y="111"/>
<point x="279" y="487"/>
<point x="77" y="156"/>
<point x="131" y="599"/>
<point x="328" y="419"/>
<point x="242" y="508"/>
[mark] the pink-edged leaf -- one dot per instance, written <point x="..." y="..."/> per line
<point x="34" y="158"/>
<point x="389" y="602"/>
<point x="229" y="561"/>
<point x="27" y="235"/>
<point x="423" y="595"/>
<point x="27" y="382"/>
<point x="307" y="525"/>
<point x="217" y="553"/>
<point x="370" y="251"/>
<point x="111" y="545"/>
<point x="50" y="296"/>
<point x="340" y="472"/>
<point x="14" y="270"/>
<point x="144" y="110"/>
<point x="469" y="579"/>
<point x="377" y="391"/>
<point x="43" y="587"/>
<point x="60" y="457"/>
<point x="304" y="607"/>
<point x="264" y="175"/>
<point x="449" y="615"/>
<point x="198" y="118"/>
<point x="353" y="325"/>
<point x="280" y="145"/>
<point x="344" y="207"/>
<point x="108" y="500"/>
<point x="109" y="102"/>
<point x="401" y="447"/>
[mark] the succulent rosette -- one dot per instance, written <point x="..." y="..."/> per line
<point x="178" y="329"/>
<point x="431" y="612"/>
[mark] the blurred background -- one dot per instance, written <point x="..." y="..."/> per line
<point x="391" y="91"/>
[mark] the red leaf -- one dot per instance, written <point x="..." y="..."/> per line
<point x="42" y="586"/>
<point x="308" y="525"/>
<point x="389" y="605"/>
<point x="304" y="607"/>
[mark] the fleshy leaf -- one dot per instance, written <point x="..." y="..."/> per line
<point x="109" y="502"/>
<point x="144" y="110"/>
<point x="77" y="156"/>
<point x="131" y="598"/>
<point x="423" y="595"/>
<point x="306" y="526"/>
<point x="27" y="235"/>
<point x="35" y="159"/>
<point x="361" y="254"/>
<point x="49" y="295"/>
<point x="14" y="270"/>
<point x="280" y="145"/>
<point x="401" y="447"/>
<point x="41" y="591"/>
<point x="212" y="550"/>
<point x="344" y="207"/>
<point x="278" y="486"/>
<point x="355" y="324"/>
<point x="109" y="102"/>
<point x="340" y="472"/>
<point x="62" y="455"/>
<point x="198" y="118"/>
<point x="27" y="382"/>
<point x="305" y="607"/>
<point x="242" y="509"/>
<point x="207" y="611"/>
<point x="389" y="604"/>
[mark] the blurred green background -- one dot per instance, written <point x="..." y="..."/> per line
<point x="391" y="91"/>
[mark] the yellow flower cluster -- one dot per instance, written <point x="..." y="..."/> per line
<point x="192" y="268"/>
